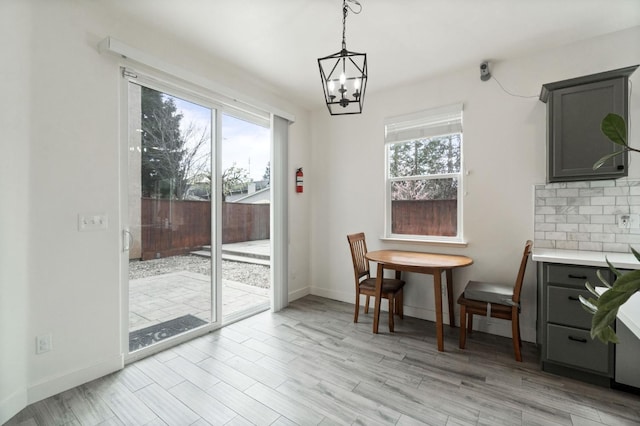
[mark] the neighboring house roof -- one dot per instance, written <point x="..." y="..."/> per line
<point x="261" y="196"/>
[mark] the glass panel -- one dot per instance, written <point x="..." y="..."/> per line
<point x="425" y="156"/>
<point x="424" y="207"/>
<point x="246" y="194"/>
<point x="169" y="216"/>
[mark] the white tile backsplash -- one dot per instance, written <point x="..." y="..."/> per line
<point x="582" y="215"/>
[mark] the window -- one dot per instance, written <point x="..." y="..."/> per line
<point x="423" y="175"/>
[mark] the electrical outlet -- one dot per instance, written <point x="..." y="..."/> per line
<point x="628" y="221"/>
<point x="623" y="221"/>
<point x="43" y="343"/>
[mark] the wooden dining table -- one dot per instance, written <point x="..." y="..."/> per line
<point x="423" y="263"/>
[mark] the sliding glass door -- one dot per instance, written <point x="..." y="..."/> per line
<point x="245" y="210"/>
<point x="197" y="221"/>
<point x="169" y="216"/>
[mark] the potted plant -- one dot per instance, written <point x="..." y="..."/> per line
<point x="605" y="307"/>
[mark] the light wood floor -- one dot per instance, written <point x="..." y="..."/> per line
<point x="310" y="365"/>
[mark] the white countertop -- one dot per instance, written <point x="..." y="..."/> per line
<point x="586" y="258"/>
<point x="629" y="313"/>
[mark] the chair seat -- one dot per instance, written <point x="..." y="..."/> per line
<point x="494" y="300"/>
<point x="489" y="292"/>
<point x="389" y="285"/>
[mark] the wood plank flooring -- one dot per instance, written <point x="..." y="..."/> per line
<point x="311" y="365"/>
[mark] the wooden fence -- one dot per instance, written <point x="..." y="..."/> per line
<point x="425" y="217"/>
<point x="171" y="228"/>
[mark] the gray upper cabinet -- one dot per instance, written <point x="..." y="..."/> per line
<point x="575" y="109"/>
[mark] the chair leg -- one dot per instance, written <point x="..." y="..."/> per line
<point x="400" y="304"/>
<point x="515" y="326"/>
<point x="519" y="334"/>
<point x="392" y="303"/>
<point x="469" y="322"/>
<point x="366" y="305"/>
<point x="463" y="326"/>
<point x="355" y="314"/>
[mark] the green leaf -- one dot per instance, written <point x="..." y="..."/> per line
<point x="602" y="278"/>
<point x="601" y="323"/>
<point x="615" y="128"/>
<point x="591" y="289"/>
<point x="635" y="253"/>
<point x="613" y="268"/>
<point x="607" y="305"/>
<point x="608" y="335"/>
<point x="589" y="305"/>
<point x="606" y="158"/>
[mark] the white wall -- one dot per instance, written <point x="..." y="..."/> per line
<point x="63" y="119"/>
<point x="14" y="206"/>
<point x="504" y="153"/>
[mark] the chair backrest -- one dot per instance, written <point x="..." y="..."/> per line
<point x="523" y="266"/>
<point x="358" y="247"/>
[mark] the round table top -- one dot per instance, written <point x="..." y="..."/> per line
<point x="419" y="259"/>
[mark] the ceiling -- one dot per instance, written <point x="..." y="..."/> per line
<point x="279" y="41"/>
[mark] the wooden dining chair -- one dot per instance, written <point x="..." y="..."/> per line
<point x="496" y="300"/>
<point x="366" y="285"/>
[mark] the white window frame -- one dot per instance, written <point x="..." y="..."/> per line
<point x="425" y="124"/>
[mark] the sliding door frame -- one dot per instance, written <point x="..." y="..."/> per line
<point x="279" y="205"/>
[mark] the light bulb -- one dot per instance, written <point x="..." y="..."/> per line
<point x="356" y="84"/>
<point x="331" y="86"/>
<point x="343" y="79"/>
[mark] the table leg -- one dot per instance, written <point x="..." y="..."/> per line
<point x="452" y="313"/>
<point x="376" y="312"/>
<point x="437" y="289"/>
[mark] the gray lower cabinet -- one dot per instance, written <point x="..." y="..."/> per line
<point x="627" y="371"/>
<point x="564" y="326"/>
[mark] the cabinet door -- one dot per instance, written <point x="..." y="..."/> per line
<point x="575" y="275"/>
<point x="575" y="138"/>
<point x="574" y="347"/>
<point x="564" y="308"/>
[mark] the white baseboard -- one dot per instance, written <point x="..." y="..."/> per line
<point x="12" y="405"/>
<point x="54" y="385"/>
<point x="493" y="326"/>
<point x="341" y="296"/>
<point x="297" y="294"/>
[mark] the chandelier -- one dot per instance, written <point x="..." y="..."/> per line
<point x="344" y="74"/>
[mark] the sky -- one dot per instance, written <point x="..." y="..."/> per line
<point x="243" y="143"/>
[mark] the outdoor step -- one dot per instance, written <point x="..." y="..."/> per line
<point x="237" y="257"/>
<point x="201" y="253"/>
<point x="246" y="259"/>
<point x="206" y="251"/>
<point x="254" y="255"/>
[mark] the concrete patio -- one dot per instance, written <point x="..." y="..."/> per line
<point x="160" y="298"/>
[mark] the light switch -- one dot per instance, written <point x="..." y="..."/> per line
<point x="92" y="222"/>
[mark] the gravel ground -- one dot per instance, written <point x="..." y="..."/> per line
<point x="247" y="273"/>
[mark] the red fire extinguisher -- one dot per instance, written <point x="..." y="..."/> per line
<point x="299" y="176"/>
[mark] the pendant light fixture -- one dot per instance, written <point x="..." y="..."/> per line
<point x="344" y="74"/>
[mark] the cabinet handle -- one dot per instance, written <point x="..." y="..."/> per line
<point x="578" y="339"/>
<point x="579" y="277"/>
<point x="573" y="298"/>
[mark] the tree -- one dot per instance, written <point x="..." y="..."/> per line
<point x="267" y="173"/>
<point x="234" y="179"/>
<point x="425" y="157"/>
<point x="167" y="163"/>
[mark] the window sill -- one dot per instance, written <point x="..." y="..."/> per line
<point x="433" y="242"/>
